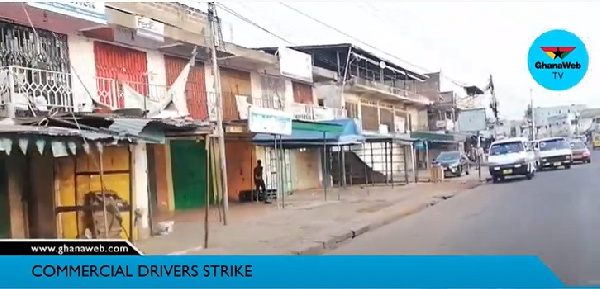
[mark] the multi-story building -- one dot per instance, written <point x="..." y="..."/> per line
<point x="541" y="116"/>
<point x="77" y="56"/>
<point x="376" y="92"/>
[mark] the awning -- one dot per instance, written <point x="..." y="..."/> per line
<point x="60" y="140"/>
<point x="306" y="134"/>
<point x="433" y="137"/>
<point x="393" y="138"/>
<point x="151" y="130"/>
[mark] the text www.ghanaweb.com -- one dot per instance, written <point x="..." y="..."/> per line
<point x="79" y="249"/>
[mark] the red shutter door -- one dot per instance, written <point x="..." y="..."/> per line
<point x="114" y="64"/>
<point x="195" y="88"/>
<point x="302" y="93"/>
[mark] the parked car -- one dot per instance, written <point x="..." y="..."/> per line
<point x="455" y="163"/>
<point x="581" y="153"/>
<point x="554" y="152"/>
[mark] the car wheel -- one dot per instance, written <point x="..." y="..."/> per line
<point x="568" y="167"/>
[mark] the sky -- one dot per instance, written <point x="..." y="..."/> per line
<point x="467" y="41"/>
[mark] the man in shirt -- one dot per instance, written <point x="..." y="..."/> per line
<point x="258" y="180"/>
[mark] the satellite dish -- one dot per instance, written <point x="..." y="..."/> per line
<point x="382" y="64"/>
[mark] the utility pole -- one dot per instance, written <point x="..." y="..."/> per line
<point x="215" y="41"/>
<point x="533" y="130"/>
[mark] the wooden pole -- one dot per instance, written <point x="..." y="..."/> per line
<point x="214" y="42"/>
<point x="103" y="190"/>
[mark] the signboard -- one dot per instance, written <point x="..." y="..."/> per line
<point x="295" y="64"/>
<point x="472" y="120"/>
<point x="272" y="121"/>
<point x="150" y="29"/>
<point x="90" y="11"/>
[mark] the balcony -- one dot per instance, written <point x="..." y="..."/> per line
<point x="28" y="92"/>
<point x="311" y="112"/>
<point x="235" y="107"/>
<point x="384" y="91"/>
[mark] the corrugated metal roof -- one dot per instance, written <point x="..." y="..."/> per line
<point x="136" y="125"/>
<point x="53" y="132"/>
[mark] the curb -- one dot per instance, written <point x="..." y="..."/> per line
<point x="334" y="239"/>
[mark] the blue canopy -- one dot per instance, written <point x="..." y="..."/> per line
<point x="350" y="133"/>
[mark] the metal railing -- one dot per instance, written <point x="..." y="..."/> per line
<point x="24" y="90"/>
<point x="313" y="112"/>
<point x="412" y="95"/>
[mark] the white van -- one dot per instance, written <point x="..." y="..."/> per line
<point x="554" y="152"/>
<point x="511" y="157"/>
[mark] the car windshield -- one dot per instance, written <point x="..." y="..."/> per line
<point x="448" y="156"/>
<point x="577" y="145"/>
<point x="506" y="148"/>
<point x="552" y="145"/>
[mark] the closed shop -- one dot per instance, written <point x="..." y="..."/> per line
<point x="233" y="82"/>
<point x="80" y="176"/>
<point x="195" y="88"/>
<point x="116" y="63"/>
<point x="303" y="93"/>
<point x="188" y="168"/>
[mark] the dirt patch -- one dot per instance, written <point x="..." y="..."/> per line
<point x="375" y="208"/>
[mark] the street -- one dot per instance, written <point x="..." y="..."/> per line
<point x="555" y="216"/>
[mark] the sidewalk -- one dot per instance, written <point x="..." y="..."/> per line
<point x="308" y="225"/>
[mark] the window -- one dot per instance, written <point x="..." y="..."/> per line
<point x="506" y="148"/>
<point x="273" y="91"/>
<point x="352" y="109"/>
<point x="554" y="144"/>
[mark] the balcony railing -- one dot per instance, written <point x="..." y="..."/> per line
<point x="28" y="91"/>
<point x="236" y="107"/>
<point x="315" y="113"/>
<point x="411" y="95"/>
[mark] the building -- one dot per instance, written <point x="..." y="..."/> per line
<point x="541" y="116"/>
<point x="90" y="56"/>
<point x="376" y="92"/>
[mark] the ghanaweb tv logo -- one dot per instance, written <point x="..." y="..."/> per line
<point x="556" y="53"/>
<point x="558" y="67"/>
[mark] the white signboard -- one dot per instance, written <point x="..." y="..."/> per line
<point x="272" y="121"/>
<point x="296" y="65"/>
<point x="150" y="29"/>
<point x="90" y="11"/>
<point x="472" y="120"/>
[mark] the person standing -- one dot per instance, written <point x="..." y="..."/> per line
<point x="259" y="182"/>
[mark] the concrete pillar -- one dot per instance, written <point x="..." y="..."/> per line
<point x="140" y="189"/>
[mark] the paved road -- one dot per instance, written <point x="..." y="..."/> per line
<point x="555" y="216"/>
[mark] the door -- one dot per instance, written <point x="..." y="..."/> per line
<point x="115" y="64"/>
<point x="78" y="176"/>
<point x="4" y="207"/>
<point x="195" y="88"/>
<point x="188" y="165"/>
<point x="234" y="82"/>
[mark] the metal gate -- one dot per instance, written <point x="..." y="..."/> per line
<point x="273" y="179"/>
<point x="115" y="64"/>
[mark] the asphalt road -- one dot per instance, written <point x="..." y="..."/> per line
<point x="555" y="216"/>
